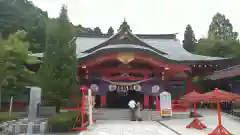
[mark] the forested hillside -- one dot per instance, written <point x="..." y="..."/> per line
<point x="23" y="15"/>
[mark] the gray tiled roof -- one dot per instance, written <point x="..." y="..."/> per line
<point x="172" y="47"/>
<point x="225" y="73"/>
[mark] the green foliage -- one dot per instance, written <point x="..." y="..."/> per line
<point x="189" y="39"/>
<point x="64" y="121"/>
<point x="221" y="28"/>
<point x="14" y="55"/>
<point x="57" y="75"/>
<point x="4" y="116"/>
<point x="218" y="48"/>
<point x="23" y="15"/>
<point x="222" y="40"/>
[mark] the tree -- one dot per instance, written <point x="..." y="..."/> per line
<point x="204" y="46"/>
<point x="221" y="28"/>
<point x="14" y="56"/>
<point x="37" y="35"/>
<point x="222" y="40"/>
<point x="57" y="75"/>
<point x="110" y="31"/>
<point x="10" y="18"/>
<point x="189" y="39"/>
<point x="217" y="48"/>
<point x="97" y="30"/>
<point x="23" y="15"/>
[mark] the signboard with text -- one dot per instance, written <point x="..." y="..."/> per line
<point x="165" y="104"/>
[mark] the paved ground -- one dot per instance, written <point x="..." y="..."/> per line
<point x="128" y="128"/>
<point x="231" y="123"/>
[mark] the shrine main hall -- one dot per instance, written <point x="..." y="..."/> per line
<point x="126" y="66"/>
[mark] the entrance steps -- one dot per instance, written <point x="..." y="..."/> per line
<point x="111" y="114"/>
<point x="124" y="114"/>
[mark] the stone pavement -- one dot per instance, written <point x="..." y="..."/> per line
<point x="127" y="128"/>
<point x="231" y="123"/>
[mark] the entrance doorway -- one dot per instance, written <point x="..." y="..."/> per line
<point x="120" y="100"/>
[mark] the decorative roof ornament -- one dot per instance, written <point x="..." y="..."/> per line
<point x="124" y="25"/>
<point x="126" y="57"/>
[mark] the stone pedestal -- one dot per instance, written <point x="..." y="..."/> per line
<point x="32" y="125"/>
<point x="25" y="126"/>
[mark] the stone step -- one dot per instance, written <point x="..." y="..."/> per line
<point x="111" y="114"/>
<point x="124" y="114"/>
<point x="119" y="114"/>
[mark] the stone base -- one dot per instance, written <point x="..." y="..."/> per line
<point x="31" y="127"/>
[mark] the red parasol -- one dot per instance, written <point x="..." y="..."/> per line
<point x="193" y="97"/>
<point x="219" y="96"/>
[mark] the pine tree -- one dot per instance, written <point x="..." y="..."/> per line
<point x="110" y="31"/>
<point x="58" y="72"/>
<point x="189" y="39"/>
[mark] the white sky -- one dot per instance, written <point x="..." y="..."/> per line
<point x="146" y="16"/>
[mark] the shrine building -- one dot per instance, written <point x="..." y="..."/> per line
<point x="127" y="66"/>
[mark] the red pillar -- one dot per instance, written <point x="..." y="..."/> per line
<point x="188" y="85"/>
<point x="103" y="100"/>
<point x="146" y="101"/>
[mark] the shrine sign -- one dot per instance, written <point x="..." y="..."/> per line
<point x="165" y="104"/>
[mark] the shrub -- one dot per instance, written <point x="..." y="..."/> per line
<point x="4" y="116"/>
<point x="63" y="122"/>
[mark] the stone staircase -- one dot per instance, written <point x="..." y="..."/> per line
<point x="111" y="114"/>
<point x="124" y="114"/>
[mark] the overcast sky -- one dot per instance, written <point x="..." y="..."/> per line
<point x="146" y="16"/>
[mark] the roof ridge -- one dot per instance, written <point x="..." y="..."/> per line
<point x="144" y="36"/>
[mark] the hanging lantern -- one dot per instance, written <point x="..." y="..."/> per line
<point x="112" y="87"/>
<point x="155" y="88"/>
<point x="137" y="87"/>
<point x="94" y="87"/>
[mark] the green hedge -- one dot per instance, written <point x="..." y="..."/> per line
<point x="63" y="122"/>
<point x="4" y="116"/>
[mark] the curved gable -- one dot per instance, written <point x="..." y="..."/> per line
<point x="123" y="36"/>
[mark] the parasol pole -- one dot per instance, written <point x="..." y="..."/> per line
<point x="219" y="113"/>
<point x="195" y="110"/>
<point x="90" y="107"/>
<point x="82" y="109"/>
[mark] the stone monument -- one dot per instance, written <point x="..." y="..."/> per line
<point x="32" y="125"/>
<point x="35" y="100"/>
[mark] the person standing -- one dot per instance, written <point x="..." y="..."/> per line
<point x="132" y="106"/>
<point x="138" y="111"/>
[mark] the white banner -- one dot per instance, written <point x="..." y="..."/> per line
<point x="165" y="104"/>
